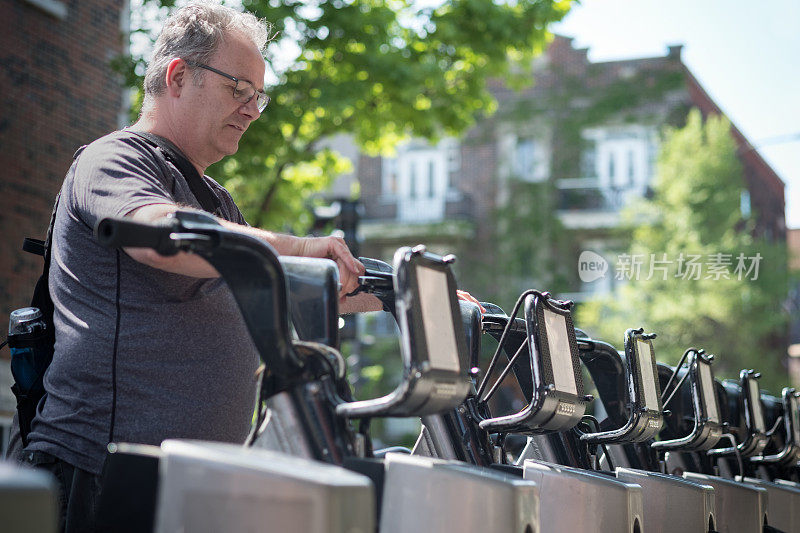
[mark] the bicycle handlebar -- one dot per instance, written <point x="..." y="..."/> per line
<point x="126" y="233"/>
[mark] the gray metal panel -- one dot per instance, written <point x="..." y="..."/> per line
<point x="423" y="494"/>
<point x="27" y="500"/>
<point x="282" y="430"/>
<point x="672" y="504"/>
<point x="212" y="487"/>
<point x="740" y="507"/>
<point x="578" y="500"/>
<point x="783" y="504"/>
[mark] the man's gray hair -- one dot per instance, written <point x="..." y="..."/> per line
<point x="194" y="33"/>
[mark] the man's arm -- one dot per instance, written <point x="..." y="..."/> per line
<point x="327" y="247"/>
<point x="193" y="265"/>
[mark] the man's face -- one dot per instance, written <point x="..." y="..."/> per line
<point x="214" y="120"/>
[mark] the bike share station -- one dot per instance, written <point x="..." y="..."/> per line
<point x="667" y="449"/>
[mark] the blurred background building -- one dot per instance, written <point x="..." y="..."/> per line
<point x="589" y="131"/>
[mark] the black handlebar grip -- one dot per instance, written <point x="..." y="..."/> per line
<point x="376" y="265"/>
<point x="123" y="232"/>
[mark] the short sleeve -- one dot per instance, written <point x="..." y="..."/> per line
<point x="229" y="210"/>
<point x="115" y="175"/>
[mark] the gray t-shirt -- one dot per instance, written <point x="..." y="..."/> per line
<point x="141" y="355"/>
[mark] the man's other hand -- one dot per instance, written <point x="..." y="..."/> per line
<point x="334" y="248"/>
<point x="467" y="297"/>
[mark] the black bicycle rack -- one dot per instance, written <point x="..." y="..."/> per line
<point x="707" y="426"/>
<point x="305" y="377"/>
<point x="642" y="399"/>
<point x="751" y="426"/>
<point x="788" y="454"/>
<point x="435" y="378"/>
<point x="551" y="384"/>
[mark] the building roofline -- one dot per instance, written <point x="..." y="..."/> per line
<point x="745" y="150"/>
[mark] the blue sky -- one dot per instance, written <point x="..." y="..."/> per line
<point x="745" y="54"/>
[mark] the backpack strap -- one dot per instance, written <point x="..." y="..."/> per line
<point x="29" y="399"/>
<point x="41" y="292"/>
<point x="200" y="189"/>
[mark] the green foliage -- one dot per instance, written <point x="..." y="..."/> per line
<point x="381" y="70"/>
<point x="531" y="242"/>
<point x="696" y="211"/>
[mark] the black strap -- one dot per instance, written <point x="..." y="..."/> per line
<point x="34" y="246"/>
<point x="200" y="189"/>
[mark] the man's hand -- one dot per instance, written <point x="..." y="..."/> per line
<point x="334" y="248"/>
<point x="360" y="303"/>
<point x="467" y="297"/>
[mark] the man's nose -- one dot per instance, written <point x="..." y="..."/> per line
<point x="250" y="109"/>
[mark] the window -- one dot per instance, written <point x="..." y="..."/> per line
<point x="611" y="168"/>
<point x="744" y="203"/>
<point x="622" y="157"/>
<point x="389" y="176"/>
<point x="528" y="165"/>
<point x="453" y="157"/>
<point x="421" y="183"/>
<point x="631" y="167"/>
<point x="589" y="161"/>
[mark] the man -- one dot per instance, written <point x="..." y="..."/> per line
<point x="151" y="347"/>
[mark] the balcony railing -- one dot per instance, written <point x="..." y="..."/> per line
<point x="454" y="206"/>
<point x="574" y="195"/>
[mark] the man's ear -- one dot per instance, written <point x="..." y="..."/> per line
<point x="177" y="76"/>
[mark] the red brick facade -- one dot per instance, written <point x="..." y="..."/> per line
<point x="58" y="93"/>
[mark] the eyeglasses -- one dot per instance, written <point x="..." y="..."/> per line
<point x="243" y="91"/>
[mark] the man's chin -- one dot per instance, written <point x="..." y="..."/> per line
<point x="230" y="148"/>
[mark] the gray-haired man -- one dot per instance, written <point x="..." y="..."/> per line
<point x="151" y="347"/>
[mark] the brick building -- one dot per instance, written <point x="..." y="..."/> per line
<point x="578" y="145"/>
<point x="59" y="92"/>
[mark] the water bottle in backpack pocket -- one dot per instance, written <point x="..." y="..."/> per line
<point x="31" y="343"/>
<point x="30" y="352"/>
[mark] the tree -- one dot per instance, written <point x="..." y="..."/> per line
<point x="380" y="70"/>
<point x="694" y="225"/>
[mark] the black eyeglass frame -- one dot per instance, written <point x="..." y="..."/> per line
<point x="256" y="93"/>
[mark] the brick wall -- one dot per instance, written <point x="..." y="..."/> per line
<point x="58" y="93"/>
<point x="765" y="187"/>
